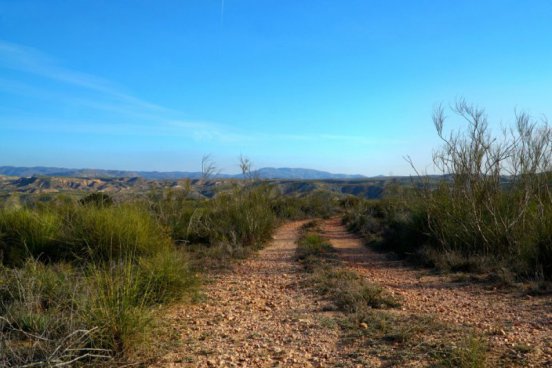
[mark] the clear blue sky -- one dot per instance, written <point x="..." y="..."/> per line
<point x="344" y="86"/>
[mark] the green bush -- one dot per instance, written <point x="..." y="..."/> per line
<point x="320" y="203"/>
<point x="472" y="353"/>
<point x="36" y="287"/>
<point x="350" y="292"/>
<point x="491" y="209"/>
<point x="98" y="199"/>
<point x="102" y="306"/>
<point x="365" y="217"/>
<point x="240" y="218"/>
<point x="39" y="314"/>
<point x="391" y="224"/>
<point x="105" y="233"/>
<point x="79" y="232"/>
<point x="120" y="296"/>
<point x="289" y="208"/>
<point x="87" y="277"/>
<point x="116" y="306"/>
<point x="313" y="245"/>
<point x="174" y="210"/>
<point x="25" y="232"/>
<point x="482" y="211"/>
<point x="167" y="277"/>
<point x="122" y="265"/>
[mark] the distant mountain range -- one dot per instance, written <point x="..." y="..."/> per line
<point x="290" y="173"/>
<point x="264" y="173"/>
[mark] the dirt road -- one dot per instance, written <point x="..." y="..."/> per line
<point x="257" y="315"/>
<point x="512" y="322"/>
<point x="262" y="313"/>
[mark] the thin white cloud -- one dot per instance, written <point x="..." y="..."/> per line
<point x="30" y="60"/>
<point x="148" y="118"/>
<point x="101" y="104"/>
<point x="98" y="94"/>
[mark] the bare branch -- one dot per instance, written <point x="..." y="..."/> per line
<point x="208" y="167"/>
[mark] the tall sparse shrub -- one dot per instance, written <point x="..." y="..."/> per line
<point x="492" y="204"/>
<point x="499" y="198"/>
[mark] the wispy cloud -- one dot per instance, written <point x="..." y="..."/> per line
<point x="131" y="115"/>
<point x="107" y="96"/>
<point x="30" y="60"/>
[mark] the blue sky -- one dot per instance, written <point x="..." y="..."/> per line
<point x="344" y="86"/>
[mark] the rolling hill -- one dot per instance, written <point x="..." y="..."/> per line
<point x="263" y="173"/>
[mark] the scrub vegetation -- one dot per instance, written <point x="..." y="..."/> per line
<point x="84" y="280"/>
<point x="370" y="318"/>
<point x="347" y="290"/>
<point x="85" y="277"/>
<point x="490" y="211"/>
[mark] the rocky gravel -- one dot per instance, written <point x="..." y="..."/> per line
<point x="261" y="313"/>
<point x="257" y="315"/>
<point x="515" y="324"/>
